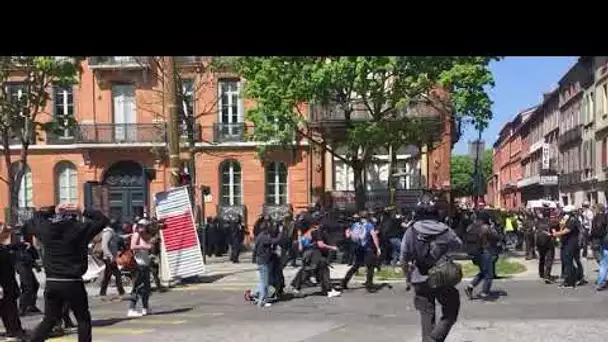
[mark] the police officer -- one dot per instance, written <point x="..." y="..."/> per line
<point x="26" y="257"/>
<point x="10" y="288"/>
<point x="236" y="235"/>
<point x="441" y="239"/>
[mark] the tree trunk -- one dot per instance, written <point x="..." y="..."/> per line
<point x="360" y="197"/>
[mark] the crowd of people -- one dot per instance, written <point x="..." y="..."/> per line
<point x="418" y="242"/>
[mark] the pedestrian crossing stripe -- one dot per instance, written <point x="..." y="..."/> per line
<point x="118" y="331"/>
<point x="157" y="321"/>
<point x="69" y="339"/>
<point x="215" y="287"/>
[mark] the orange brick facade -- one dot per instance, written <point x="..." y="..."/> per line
<point x="92" y="158"/>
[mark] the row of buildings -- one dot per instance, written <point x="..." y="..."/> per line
<point x="557" y="150"/>
<point x="119" y="141"/>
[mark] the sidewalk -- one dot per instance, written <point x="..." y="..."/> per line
<point x="223" y="275"/>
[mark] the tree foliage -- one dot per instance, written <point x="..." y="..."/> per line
<point x="25" y="90"/>
<point x="463" y="172"/>
<point x="385" y="87"/>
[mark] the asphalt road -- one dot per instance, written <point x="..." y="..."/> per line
<point x="527" y="311"/>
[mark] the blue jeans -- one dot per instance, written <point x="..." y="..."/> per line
<point x="485" y="261"/>
<point x="395" y="250"/>
<point x="601" y="279"/>
<point x="262" y="290"/>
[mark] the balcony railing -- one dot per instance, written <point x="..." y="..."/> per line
<point x="187" y="60"/>
<point x="109" y="134"/>
<point x="119" y="62"/>
<point x="229" y="132"/>
<point x="571" y="178"/>
<point x="335" y="113"/>
<point x="571" y="135"/>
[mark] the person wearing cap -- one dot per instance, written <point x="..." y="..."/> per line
<point x="367" y="250"/>
<point x="569" y="236"/>
<point x="141" y="244"/>
<point x="109" y="245"/>
<point x="485" y="249"/>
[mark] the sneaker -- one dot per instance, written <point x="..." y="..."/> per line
<point x="333" y="293"/>
<point x="265" y="305"/>
<point x="133" y="313"/>
<point x="581" y="282"/>
<point x="565" y="286"/>
<point x="145" y="312"/>
<point x="468" y="291"/>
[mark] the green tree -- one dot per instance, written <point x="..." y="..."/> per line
<point x="22" y="108"/>
<point x="384" y="87"/>
<point x="463" y="173"/>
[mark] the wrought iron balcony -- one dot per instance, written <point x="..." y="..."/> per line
<point x="187" y="60"/>
<point x="119" y="62"/>
<point x="335" y="114"/>
<point x="108" y="134"/>
<point x="121" y="133"/>
<point x="571" y="178"/>
<point x="571" y="135"/>
<point x="229" y="132"/>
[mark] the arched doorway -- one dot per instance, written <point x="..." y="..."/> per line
<point x="127" y="189"/>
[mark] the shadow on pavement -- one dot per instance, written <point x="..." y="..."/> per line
<point x="169" y="312"/>
<point x="98" y="323"/>
<point x="208" y="279"/>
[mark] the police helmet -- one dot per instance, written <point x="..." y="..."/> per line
<point x="426" y="208"/>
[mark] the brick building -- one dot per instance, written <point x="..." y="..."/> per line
<point x="121" y="132"/>
<point x="576" y="137"/>
<point x="508" y="147"/>
<point x="120" y="142"/>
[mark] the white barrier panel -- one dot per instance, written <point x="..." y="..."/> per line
<point x="181" y="250"/>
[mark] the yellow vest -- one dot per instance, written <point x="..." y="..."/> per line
<point x="509" y="224"/>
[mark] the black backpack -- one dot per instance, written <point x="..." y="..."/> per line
<point x="442" y="272"/>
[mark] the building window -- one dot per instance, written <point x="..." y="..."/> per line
<point x="344" y="176"/>
<point x="63" y="107"/>
<point x="26" y="193"/>
<point x="187" y="109"/>
<point x="187" y="96"/>
<point x="231" y="183"/>
<point x="66" y="183"/>
<point x="230" y="104"/>
<point x="276" y="183"/>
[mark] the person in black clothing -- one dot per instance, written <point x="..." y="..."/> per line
<point x="26" y="257"/>
<point x="263" y="257"/>
<point x="65" y="241"/>
<point x="320" y="254"/>
<point x="545" y="243"/>
<point x="393" y="233"/>
<point x="289" y="247"/>
<point x="529" y="225"/>
<point x="570" y="248"/>
<point x="237" y="233"/>
<point x="10" y="289"/>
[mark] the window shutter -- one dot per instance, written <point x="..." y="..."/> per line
<point x="592" y="156"/>
<point x="604" y="151"/>
<point x="585" y="144"/>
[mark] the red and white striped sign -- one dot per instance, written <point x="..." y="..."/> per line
<point x="182" y="251"/>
